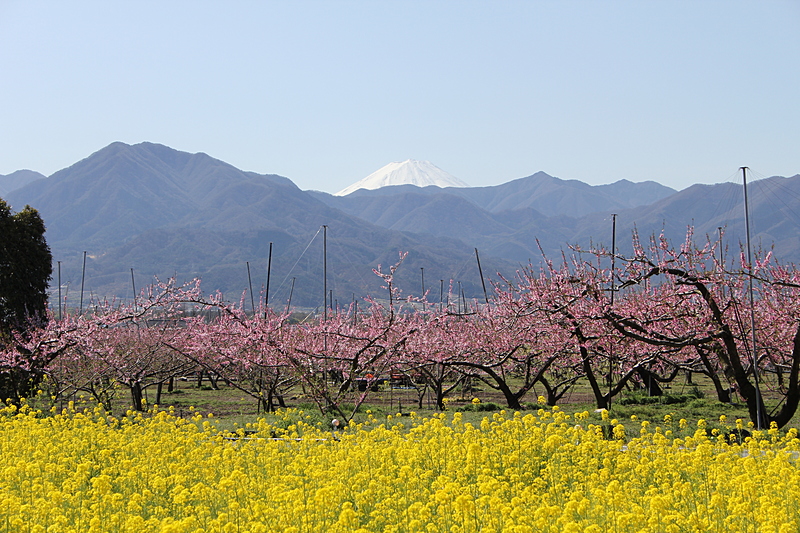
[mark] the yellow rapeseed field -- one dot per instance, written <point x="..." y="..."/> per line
<point x="549" y="472"/>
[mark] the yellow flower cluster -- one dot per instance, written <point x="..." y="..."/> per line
<point x="544" y="472"/>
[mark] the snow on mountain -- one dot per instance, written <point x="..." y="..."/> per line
<point x="408" y="172"/>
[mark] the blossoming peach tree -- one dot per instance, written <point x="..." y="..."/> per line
<point x="660" y="311"/>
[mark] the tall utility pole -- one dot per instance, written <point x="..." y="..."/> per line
<point x="759" y="421"/>
<point x="324" y="272"/>
<point x="721" y="263"/>
<point x="613" y="290"/>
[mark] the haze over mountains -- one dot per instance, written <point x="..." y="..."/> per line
<point x="165" y="212"/>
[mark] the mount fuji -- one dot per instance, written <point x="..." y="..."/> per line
<point x="408" y="172"/>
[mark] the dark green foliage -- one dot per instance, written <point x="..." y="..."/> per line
<point x="642" y="398"/>
<point x="25" y="268"/>
<point x="479" y="407"/>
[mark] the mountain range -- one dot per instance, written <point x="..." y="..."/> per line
<point x="162" y="212"/>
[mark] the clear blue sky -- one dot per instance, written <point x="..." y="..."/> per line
<point x="327" y="92"/>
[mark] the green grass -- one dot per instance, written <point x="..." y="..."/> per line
<point x="233" y="409"/>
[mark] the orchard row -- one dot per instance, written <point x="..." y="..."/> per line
<point x="663" y="311"/>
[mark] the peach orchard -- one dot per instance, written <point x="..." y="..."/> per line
<point x="662" y="311"/>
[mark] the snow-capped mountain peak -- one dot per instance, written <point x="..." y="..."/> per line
<point x="408" y="172"/>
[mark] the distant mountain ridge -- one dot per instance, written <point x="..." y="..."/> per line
<point x="548" y="195"/>
<point x="15" y="180"/>
<point x="500" y="219"/>
<point x="120" y="191"/>
<point x="165" y="212"/>
<point x="161" y="211"/>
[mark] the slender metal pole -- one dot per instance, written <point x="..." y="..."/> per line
<point x="759" y="421"/>
<point x="480" y="271"/>
<point x="250" y="283"/>
<point x="460" y="292"/>
<point x="133" y="284"/>
<point x="83" y="278"/>
<point x="613" y="253"/>
<point x="422" y="273"/>
<point x="59" y="290"/>
<point x="291" y="291"/>
<point x="325" y="287"/>
<point x="266" y="292"/>
<point x="324" y="272"/>
<point x="441" y="294"/>
<point x="721" y="264"/>
<point x="613" y="291"/>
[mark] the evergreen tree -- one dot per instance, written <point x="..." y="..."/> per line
<point x="25" y="268"/>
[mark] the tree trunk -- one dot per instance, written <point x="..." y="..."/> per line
<point x="723" y="393"/>
<point x="602" y="400"/>
<point x="552" y="392"/>
<point x="650" y="382"/>
<point x="136" y="396"/>
<point x="512" y="398"/>
<point x="792" y="397"/>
